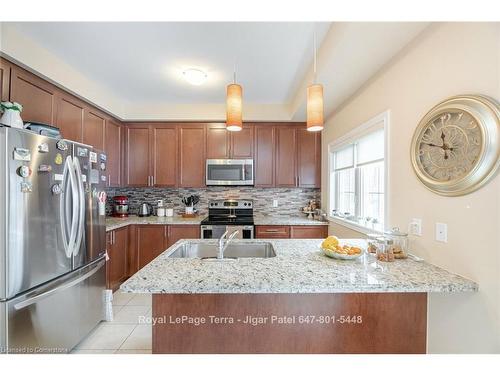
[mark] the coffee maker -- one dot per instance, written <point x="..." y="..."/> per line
<point x="120" y="206"/>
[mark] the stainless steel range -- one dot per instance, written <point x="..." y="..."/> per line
<point x="228" y="215"/>
<point x="52" y="241"/>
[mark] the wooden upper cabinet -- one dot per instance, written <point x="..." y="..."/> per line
<point x="192" y="155"/>
<point x="138" y="155"/>
<point x="308" y="158"/>
<point x="69" y="118"/>
<point x="264" y="150"/>
<point x="113" y="148"/>
<point x="35" y="95"/>
<point x="241" y="146"/>
<point x="286" y="156"/>
<point x="165" y="143"/>
<point x="93" y="128"/>
<point x="5" y="68"/>
<point x="218" y="139"/>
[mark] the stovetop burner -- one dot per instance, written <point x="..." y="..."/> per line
<point x="229" y="212"/>
<point x="221" y="220"/>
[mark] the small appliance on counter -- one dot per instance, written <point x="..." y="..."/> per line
<point x="120" y="206"/>
<point x="144" y="210"/>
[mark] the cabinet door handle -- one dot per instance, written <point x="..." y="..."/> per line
<point x="272" y="230"/>
<point x="165" y="232"/>
<point x="109" y="180"/>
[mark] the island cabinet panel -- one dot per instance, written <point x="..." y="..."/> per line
<point x="218" y="141"/>
<point x="272" y="231"/>
<point x="5" y="68"/>
<point x="164" y="155"/>
<point x="182" y="232"/>
<point x="69" y="118"/>
<point x="264" y="150"/>
<point x="93" y="128"/>
<point x="113" y="147"/>
<point x="192" y="155"/>
<point x="151" y="241"/>
<point x="137" y="151"/>
<point x="308" y="159"/>
<point x="336" y="323"/>
<point x="286" y="156"/>
<point x="116" y="266"/>
<point x="241" y="145"/>
<point x="35" y="95"/>
<point x="308" y="231"/>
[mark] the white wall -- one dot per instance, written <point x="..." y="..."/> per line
<point x="447" y="59"/>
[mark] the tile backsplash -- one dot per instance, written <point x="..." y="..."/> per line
<point x="290" y="200"/>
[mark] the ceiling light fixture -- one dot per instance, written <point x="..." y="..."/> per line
<point x="195" y="77"/>
<point x="234" y="104"/>
<point x="315" y="121"/>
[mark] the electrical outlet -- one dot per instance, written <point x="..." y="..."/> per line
<point x="275" y="203"/>
<point x="415" y="227"/>
<point x="441" y="232"/>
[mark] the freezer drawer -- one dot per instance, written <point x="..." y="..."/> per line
<point x="55" y="317"/>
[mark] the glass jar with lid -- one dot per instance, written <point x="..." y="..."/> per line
<point x="371" y="240"/>
<point x="400" y="242"/>
<point x="384" y="249"/>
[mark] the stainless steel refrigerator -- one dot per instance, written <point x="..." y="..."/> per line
<point x="52" y="242"/>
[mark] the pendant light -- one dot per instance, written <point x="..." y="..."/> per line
<point x="315" y="121"/>
<point x="234" y="104"/>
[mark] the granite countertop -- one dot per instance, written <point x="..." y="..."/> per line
<point x="113" y="223"/>
<point x="286" y="220"/>
<point x="299" y="267"/>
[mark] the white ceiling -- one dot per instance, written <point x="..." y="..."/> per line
<point x="144" y="61"/>
<point x="140" y="64"/>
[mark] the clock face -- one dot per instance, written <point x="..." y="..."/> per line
<point x="456" y="147"/>
<point x="449" y="146"/>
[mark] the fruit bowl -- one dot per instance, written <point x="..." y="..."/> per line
<point x="338" y="249"/>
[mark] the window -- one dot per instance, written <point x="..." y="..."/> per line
<point x="357" y="177"/>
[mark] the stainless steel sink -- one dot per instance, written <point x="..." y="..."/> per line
<point x="233" y="251"/>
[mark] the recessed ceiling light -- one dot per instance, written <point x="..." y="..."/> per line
<point x="195" y="77"/>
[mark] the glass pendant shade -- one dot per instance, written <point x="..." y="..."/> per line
<point x="315" y="108"/>
<point x="234" y="104"/>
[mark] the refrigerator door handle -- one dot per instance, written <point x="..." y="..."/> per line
<point x="74" y="204"/>
<point x="81" y="206"/>
<point x="62" y="209"/>
<point x="65" y="285"/>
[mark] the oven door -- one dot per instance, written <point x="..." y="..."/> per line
<point x="229" y="172"/>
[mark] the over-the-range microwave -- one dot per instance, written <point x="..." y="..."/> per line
<point x="232" y="172"/>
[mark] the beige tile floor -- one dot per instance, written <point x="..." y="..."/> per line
<point x="125" y="334"/>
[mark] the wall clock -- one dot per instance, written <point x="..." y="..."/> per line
<point x="456" y="146"/>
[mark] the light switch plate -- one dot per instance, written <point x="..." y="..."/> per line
<point x="415" y="227"/>
<point x="441" y="232"/>
<point x="275" y="203"/>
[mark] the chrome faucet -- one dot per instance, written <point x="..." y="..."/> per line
<point x="223" y="244"/>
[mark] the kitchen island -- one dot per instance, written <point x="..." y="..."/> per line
<point x="299" y="301"/>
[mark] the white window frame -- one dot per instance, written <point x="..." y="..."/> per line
<point x="380" y="121"/>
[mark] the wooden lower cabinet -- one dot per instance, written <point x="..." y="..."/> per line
<point x="116" y="266"/>
<point x="151" y="241"/>
<point x="291" y="231"/>
<point x="296" y="323"/>
<point x="309" y="231"/>
<point x="180" y="232"/>
<point x="272" y="231"/>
